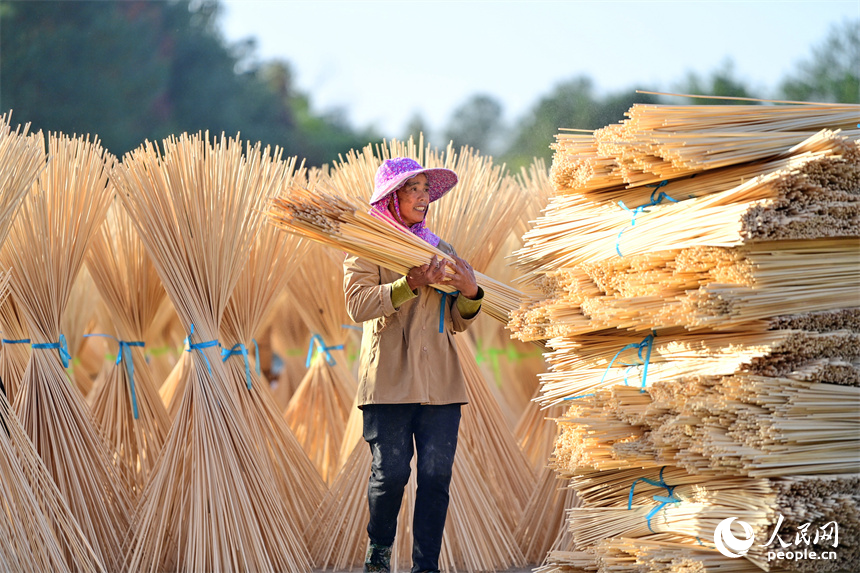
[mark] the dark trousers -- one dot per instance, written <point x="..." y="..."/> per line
<point x="390" y="430"/>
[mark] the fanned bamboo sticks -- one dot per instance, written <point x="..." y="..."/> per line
<point x="271" y="263"/>
<point x="125" y="403"/>
<point x="48" y="243"/>
<point x="320" y="406"/>
<point x="211" y="503"/>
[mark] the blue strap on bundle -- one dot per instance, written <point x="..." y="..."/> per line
<point x="65" y="357"/>
<point x="201" y="346"/>
<point x="654" y="201"/>
<point x="318" y="343"/>
<point x="129" y="364"/>
<point x="242" y="350"/>
<point x="663" y="499"/>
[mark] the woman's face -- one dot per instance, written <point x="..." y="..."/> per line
<point x="413" y="197"/>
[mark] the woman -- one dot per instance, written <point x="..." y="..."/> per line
<point x="411" y="385"/>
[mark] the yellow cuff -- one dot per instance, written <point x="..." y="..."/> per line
<point x="469" y="307"/>
<point x="400" y="292"/>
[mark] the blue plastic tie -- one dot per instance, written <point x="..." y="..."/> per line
<point x="201" y="346"/>
<point x="240" y="350"/>
<point x="65" y="357"/>
<point x="647" y="342"/>
<point x="670" y="489"/>
<point x="318" y="342"/>
<point x="654" y="201"/>
<point x="19" y="341"/>
<point x="442" y="305"/>
<point x="352" y="327"/>
<point x="129" y="364"/>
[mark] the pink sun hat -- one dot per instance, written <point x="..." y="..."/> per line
<point x="395" y="171"/>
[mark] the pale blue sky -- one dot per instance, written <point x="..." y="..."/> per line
<point x="383" y="61"/>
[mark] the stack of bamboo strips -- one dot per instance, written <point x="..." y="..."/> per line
<point x="320" y="406"/>
<point x="696" y="279"/>
<point x="47" y="245"/>
<point x="124" y="403"/>
<point x="211" y="503"/>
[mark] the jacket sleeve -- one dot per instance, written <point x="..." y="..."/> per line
<point x="366" y="298"/>
<point x="459" y="322"/>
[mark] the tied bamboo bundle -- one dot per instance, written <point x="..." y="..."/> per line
<point x="125" y="404"/>
<point x="211" y="503"/>
<point x="338" y="222"/>
<point x="22" y="159"/>
<point x="602" y="359"/>
<point x="271" y="263"/>
<point x="702" y="287"/>
<point x="320" y="407"/>
<point x="652" y="143"/>
<point x="40" y="533"/>
<point x="47" y="245"/>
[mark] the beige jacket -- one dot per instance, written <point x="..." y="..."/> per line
<point x="404" y="357"/>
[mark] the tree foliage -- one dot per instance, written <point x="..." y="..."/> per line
<point x="477" y="123"/>
<point x="833" y="72"/>
<point x="136" y="70"/>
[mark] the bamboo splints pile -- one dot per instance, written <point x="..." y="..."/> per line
<point x="697" y="275"/>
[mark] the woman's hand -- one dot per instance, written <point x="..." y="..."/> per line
<point x="432" y="273"/>
<point x="462" y="278"/>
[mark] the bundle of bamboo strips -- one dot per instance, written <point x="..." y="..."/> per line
<point x="22" y="160"/>
<point x="702" y="287"/>
<point x="336" y="221"/>
<point x="211" y="503"/>
<point x="48" y="242"/>
<point x="77" y="321"/>
<point x="272" y="262"/>
<point x="321" y="404"/>
<point x="125" y="404"/>
<point x="40" y="533"/>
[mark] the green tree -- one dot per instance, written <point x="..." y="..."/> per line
<point x="415" y="127"/>
<point x="476" y="123"/>
<point x="721" y="82"/>
<point x="571" y="104"/>
<point x="832" y="74"/>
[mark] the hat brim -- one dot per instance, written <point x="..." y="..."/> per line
<point x="439" y="180"/>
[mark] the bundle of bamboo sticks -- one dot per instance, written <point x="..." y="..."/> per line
<point x="320" y="407"/>
<point x="334" y="220"/>
<point x="211" y="502"/>
<point x="47" y="245"/>
<point x="125" y="404"/>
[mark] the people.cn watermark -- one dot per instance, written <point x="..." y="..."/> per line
<point x="801" y="546"/>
